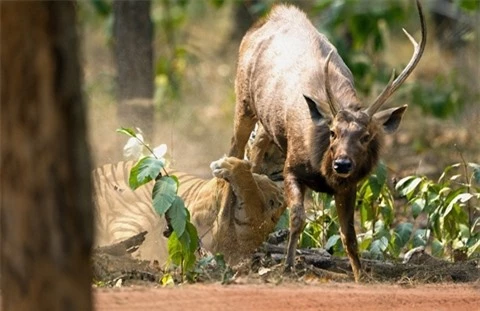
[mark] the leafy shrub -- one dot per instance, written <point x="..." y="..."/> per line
<point x="183" y="240"/>
<point x="450" y="206"/>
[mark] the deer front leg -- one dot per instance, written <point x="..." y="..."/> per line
<point x="294" y="193"/>
<point x="243" y="126"/>
<point x="345" y="203"/>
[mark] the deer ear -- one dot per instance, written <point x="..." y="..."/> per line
<point x="390" y="118"/>
<point x="318" y="117"/>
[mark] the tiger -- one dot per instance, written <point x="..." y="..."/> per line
<point x="233" y="212"/>
<point x="265" y="156"/>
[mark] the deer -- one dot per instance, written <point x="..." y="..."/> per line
<point x="292" y="81"/>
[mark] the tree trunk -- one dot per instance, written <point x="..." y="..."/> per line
<point x="133" y="33"/>
<point x="46" y="205"/>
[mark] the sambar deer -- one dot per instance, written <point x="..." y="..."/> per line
<point x="291" y="79"/>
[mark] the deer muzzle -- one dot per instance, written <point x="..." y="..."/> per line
<point x="343" y="166"/>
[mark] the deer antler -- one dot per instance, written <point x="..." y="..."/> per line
<point x="393" y="85"/>
<point x="331" y="100"/>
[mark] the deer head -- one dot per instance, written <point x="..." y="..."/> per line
<point x="349" y="147"/>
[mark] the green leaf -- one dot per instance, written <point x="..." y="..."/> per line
<point x="402" y="234"/>
<point x="402" y="182"/>
<point x="378" y="247"/>
<point x="164" y="194"/>
<point x="464" y="231"/>
<point x="144" y="171"/>
<point x="417" y="207"/>
<point x="366" y="214"/>
<point x="437" y="248"/>
<point x="410" y="187"/>
<point x="469" y="5"/>
<point x="102" y="7"/>
<point x="475" y="248"/>
<point x="220" y="260"/>
<point x="127" y="131"/>
<point x="332" y="241"/>
<point x="283" y="222"/>
<point x="175" y="249"/>
<point x="175" y="178"/>
<point x="365" y="242"/>
<point x="378" y="180"/>
<point x="381" y="230"/>
<point x="178" y="215"/>
<point x="446" y="170"/>
<point x="420" y="237"/>
<point x="386" y="209"/>
<point x="182" y="250"/>
<point x="462" y="198"/>
<point x="193" y="234"/>
<point x="217" y="3"/>
<point x="307" y="239"/>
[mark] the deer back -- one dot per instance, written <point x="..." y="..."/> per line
<point x="281" y="58"/>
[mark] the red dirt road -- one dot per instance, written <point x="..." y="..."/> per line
<point x="332" y="297"/>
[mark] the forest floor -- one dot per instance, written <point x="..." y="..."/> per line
<point x="320" y="282"/>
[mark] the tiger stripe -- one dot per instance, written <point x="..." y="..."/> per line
<point x="235" y="226"/>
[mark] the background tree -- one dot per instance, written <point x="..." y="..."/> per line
<point x="46" y="208"/>
<point x="133" y="32"/>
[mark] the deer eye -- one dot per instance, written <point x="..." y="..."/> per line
<point x="332" y="135"/>
<point x="365" y="138"/>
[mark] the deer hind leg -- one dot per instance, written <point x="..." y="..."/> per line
<point x="345" y="203"/>
<point x="244" y="123"/>
<point x="294" y="193"/>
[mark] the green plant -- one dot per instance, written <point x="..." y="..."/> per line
<point x="376" y="209"/>
<point x="442" y="97"/>
<point x="322" y="224"/>
<point x="183" y="240"/>
<point x="450" y="206"/>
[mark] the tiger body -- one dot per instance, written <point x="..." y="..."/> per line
<point x="232" y="224"/>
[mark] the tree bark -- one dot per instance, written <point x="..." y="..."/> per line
<point x="46" y="205"/>
<point x="133" y="32"/>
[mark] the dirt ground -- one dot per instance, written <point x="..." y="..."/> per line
<point x="326" y="296"/>
<point x="320" y="281"/>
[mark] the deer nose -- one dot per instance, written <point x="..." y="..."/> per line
<point x="342" y="165"/>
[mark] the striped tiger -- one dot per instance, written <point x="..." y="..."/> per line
<point x="234" y="211"/>
<point x="265" y="156"/>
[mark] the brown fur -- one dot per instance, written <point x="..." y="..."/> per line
<point x="280" y="82"/>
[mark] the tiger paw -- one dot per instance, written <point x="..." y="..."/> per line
<point x="227" y="167"/>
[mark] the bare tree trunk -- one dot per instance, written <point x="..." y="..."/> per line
<point x="46" y="205"/>
<point x="133" y="32"/>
